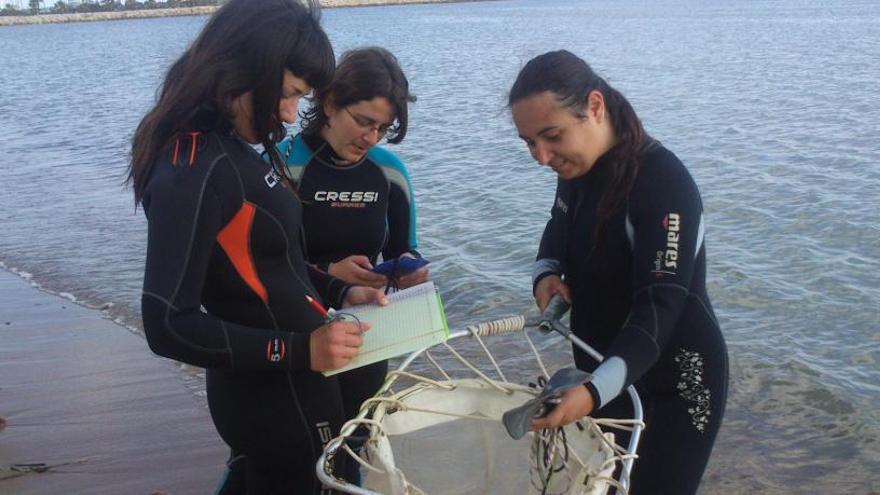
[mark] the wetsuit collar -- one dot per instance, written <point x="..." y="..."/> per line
<point x="325" y="154"/>
<point x="596" y="174"/>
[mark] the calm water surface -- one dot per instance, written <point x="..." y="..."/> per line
<point x="773" y="105"/>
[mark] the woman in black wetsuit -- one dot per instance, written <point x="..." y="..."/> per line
<point x="226" y="284"/>
<point x="357" y="199"/>
<point x="347" y="180"/>
<point x="624" y="245"/>
<point x="363" y="190"/>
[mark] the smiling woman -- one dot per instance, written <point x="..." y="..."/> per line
<point x="624" y="245"/>
<point x="567" y="141"/>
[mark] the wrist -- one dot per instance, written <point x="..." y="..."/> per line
<point x="538" y="280"/>
<point x="343" y="295"/>
<point x="594" y="394"/>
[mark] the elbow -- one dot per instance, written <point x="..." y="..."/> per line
<point x="156" y="329"/>
<point x="158" y="337"/>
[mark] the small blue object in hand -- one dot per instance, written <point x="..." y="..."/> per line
<point x="399" y="266"/>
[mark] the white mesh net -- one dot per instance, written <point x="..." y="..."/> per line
<point x="443" y="435"/>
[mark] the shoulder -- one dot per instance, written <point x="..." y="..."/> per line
<point x="660" y="170"/>
<point x="296" y="154"/>
<point x="295" y="150"/>
<point x="190" y="154"/>
<point x="188" y="167"/>
<point x="384" y="157"/>
<point x="663" y="185"/>
<point x="390" y="164"/>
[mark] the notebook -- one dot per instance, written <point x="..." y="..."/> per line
<point x="413" y="319"/>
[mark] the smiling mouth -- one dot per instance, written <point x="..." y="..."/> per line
<point x="558" y="166"/>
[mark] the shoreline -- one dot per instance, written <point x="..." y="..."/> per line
<point x="186" y="11"/>
<point x="89" y="409"/>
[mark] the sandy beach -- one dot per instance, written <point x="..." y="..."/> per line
<point x="89" y="409"/>
<point x="140" y="14"/>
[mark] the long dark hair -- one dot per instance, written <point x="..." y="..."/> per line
<point x="571" y="80"/>
<point x="245" y="46"/>
<point x="364" y="74"/>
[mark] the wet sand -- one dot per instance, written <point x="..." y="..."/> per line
<point x="89" y="409"/>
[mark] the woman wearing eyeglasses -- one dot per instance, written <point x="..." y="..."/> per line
<point x="357" y="199"/>
<point x="357" y="196"/>
<point x="624" y="245"/>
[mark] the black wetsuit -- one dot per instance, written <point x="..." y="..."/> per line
<point x="371" y="208"/>
<point x="369" y="205"/>
<point x="224" y="289"/>
<point x="639" y="297"/>
<point x="364" y="208"/>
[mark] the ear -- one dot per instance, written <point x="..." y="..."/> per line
<point x="329" y="107"/>
<point x="595" y="105"/>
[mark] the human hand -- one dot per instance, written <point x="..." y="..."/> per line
<point x="364" y="295"/>
<point x="355" y="270"/>
<point x="575" y="404"/>
<point x="547" y="288"/>
<point x="335" y="344"/>
<point x="415" y="278"/>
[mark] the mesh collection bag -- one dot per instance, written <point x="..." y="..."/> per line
<point x="434" y="433"/>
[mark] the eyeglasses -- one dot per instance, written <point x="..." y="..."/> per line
<point x="367" y="124"/>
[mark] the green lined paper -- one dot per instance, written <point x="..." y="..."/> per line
<point x="413" y="319"/>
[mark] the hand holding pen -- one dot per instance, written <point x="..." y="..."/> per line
<point x="337" y="342"/>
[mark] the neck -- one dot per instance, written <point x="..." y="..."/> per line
<point x="334" y="154"/>
<point x="242" y="120"/>
<point x="245" y="130"/>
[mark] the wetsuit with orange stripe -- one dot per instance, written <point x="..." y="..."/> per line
<point x="224" y="289"/>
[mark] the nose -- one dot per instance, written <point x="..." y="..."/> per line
<point x="372" y="136"/>
<point x="541" y="154"/>
<point x="288" y="110"/>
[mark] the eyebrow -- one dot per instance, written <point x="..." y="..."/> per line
<point x="297" y="90"/>
<point x="373" y="121"/>
<point x="547" y="129"/>
<point x="541" y="132"/>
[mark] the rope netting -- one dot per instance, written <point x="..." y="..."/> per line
<point x="463" y="415"/>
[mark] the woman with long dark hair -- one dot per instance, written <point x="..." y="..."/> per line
<point x="226" y="286"/>
<point x="624" y="245"/>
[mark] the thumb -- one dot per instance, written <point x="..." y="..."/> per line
<point x="361" y="260"/>
<point x="550" y="420"/>
<point x="379" y="296"/>
<point x="565" y="292"/>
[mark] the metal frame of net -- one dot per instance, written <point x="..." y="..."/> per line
<point x="581" y="458"/>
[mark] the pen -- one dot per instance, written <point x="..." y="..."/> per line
<point x="317" y="307"/>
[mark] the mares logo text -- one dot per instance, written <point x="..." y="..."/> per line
<point x="667" y="260"/>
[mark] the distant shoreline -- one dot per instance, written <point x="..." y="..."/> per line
<point x="184" y="11"/>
